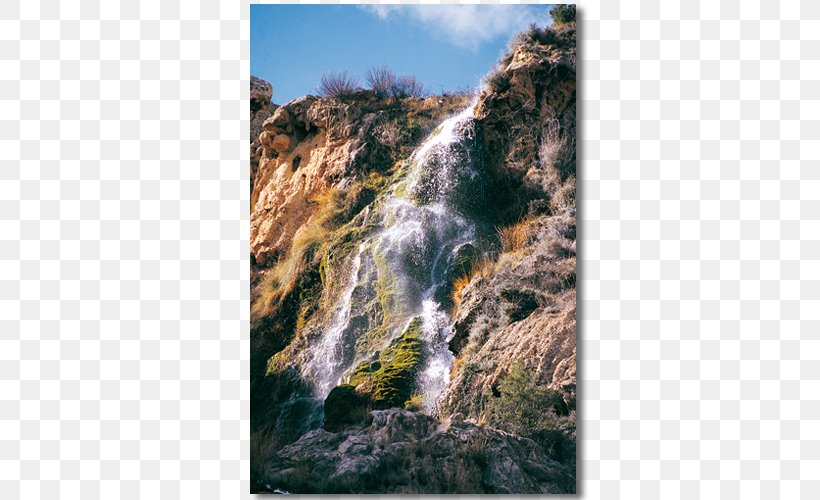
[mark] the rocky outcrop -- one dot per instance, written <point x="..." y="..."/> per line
<point x="312" y="144"/>
<point x="403" y="452"/>
<point x="524" y="309"/>
<point x="522" y="305"/>
<point x="261" y="106"/>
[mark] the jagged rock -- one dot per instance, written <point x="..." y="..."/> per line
<point x="332" y="140"/>
<point x="261" y="108"/>
<point x="401" y="452"/>
<point x="502" y="319"/>
<point x="261" y="93"/>
<point x="525" y="307"/>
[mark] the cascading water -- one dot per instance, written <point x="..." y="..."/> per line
<point x="423" y="227"/>
<point x="328" y="354"/>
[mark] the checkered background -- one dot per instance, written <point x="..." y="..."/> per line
<point x="124" y="253"/>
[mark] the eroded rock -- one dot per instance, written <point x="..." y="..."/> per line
<point x="401" y="452"/>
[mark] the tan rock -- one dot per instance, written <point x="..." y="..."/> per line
<point x="280" y="143"/>
<point x="278" y="122"/>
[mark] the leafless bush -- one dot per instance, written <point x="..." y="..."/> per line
<point x="534" y="34"/>
<point x="557" y="166"/>
<point x="497" y="80"/>
<point x="389" y="134"/>
<point x="336" y="85"/>
<point x="381" y="81"/>
<point x="408" y="86"/>
<point x="553" y="146"/>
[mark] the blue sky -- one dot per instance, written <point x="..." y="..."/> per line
<point x="447" y="47"/>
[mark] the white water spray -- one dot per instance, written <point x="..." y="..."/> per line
<point x="422" y="231"/>
<point x="327" y="361"/>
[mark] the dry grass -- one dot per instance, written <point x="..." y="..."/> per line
<point x="482" y="266"/>
<point x="458" y="364"/>
<point x="518" y="236"/>
<point x="553" y="148"/>
<point x="331" y="208"/>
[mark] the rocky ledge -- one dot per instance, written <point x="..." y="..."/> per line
<point x="401" y="452"/>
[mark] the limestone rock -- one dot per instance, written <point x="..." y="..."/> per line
<point x="308" y="145"/>
<point x="401" y="452"/>
<point x="524" y="307"/>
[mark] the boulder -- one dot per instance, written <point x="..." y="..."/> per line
<point x="345" y="406"/>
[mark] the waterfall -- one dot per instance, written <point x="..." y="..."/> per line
<point x="422" y="227"/>
<point x="328" y="355"/>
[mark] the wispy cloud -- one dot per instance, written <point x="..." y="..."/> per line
<point x="465" y="25"/>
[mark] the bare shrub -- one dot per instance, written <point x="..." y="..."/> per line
<point x="381" y="81"/>
<point x="534" y="35"/>
<point x="336" y="85"/>
<point x="497" y="80"/>
<point x="390" y="134"/>
<point x="552" y="151"/>
<point x="408" y="86"/>
<point x="557" y="166"/>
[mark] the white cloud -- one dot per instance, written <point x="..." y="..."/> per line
<point x="465" y="25"/>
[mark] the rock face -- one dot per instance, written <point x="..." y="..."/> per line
<point x="312" y="144"/>
<point x="522" y="307"/>
<point x="403" y="452"/>
<point x="261" y="107"/>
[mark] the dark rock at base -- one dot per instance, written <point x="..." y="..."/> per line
<point x="406" y="452"/>
<point x="344" y="406"/>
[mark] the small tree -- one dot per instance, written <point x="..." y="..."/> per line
<point x="537" y="412"/>
<point x="381" y="81"/>
<point x="336" y="85"/>
<point x="408" y="86"/>
<point x="525" y="407"/>
<point x="563" y="15"/>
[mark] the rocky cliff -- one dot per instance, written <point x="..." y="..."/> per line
<point x="520" y="305"/>
<point x="405" y="255"/>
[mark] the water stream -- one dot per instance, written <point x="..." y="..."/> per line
<point x="423" y="226"/>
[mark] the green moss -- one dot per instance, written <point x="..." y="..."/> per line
<point x="324" y="266"/>
<point x="382" y="310"/>
<point x="415" y="403"/>
<point x="390" y="381"/>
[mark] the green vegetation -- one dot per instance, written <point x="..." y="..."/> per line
<point x="386" y="383"/>
<point x="382" y="309"/>
<point x="390" y="381"/>
<point x="563" y="16"/>
<point x="415" y="403"/>
<point x="528" y="409"/>
<point x="333" y="207"/>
